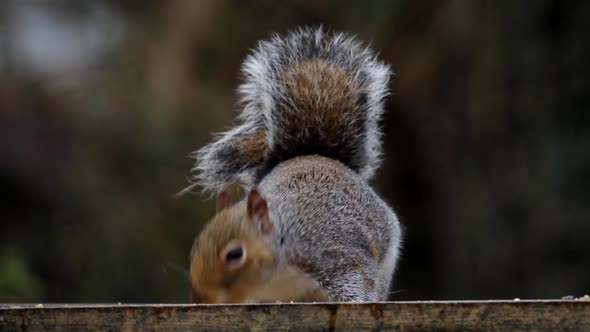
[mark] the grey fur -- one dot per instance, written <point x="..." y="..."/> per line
<point x="265" y="105"/>
<point x="333" y="226"/>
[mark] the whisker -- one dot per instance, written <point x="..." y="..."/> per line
<point x="178" y="269"/>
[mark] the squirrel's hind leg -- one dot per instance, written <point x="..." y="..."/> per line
<point x="355" y="286"/>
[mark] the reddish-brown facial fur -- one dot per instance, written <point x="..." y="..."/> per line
<point x="215" y="278"/>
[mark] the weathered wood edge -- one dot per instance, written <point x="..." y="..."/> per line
<point x="572" y="315"/>
<point x="40" y="306"/>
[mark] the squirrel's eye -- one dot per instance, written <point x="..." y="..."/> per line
<point x="234" y="254"/>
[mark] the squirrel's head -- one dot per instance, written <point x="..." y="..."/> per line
<point x="232" y="256"/>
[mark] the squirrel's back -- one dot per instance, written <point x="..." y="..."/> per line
<point x="307" y="93"/>
<point x="331" y="225"/>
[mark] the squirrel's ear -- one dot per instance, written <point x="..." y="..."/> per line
<point x="223" y="201"/>
<point x="257" y="211"/>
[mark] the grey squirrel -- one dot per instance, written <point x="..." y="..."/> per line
<point x="310" y="227"/>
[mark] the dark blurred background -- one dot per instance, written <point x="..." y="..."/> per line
<point x="487" y="140"/>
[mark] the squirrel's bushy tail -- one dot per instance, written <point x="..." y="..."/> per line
<point x="309" y="92"/>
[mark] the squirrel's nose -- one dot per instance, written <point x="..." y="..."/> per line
<point x="198" y="297"/>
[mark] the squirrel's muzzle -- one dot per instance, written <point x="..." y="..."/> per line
<point x="209" y="298"/>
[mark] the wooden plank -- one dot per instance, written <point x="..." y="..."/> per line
<point x="559" y="315"/>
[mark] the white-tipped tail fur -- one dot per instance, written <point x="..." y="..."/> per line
<point x="307" y="92"/>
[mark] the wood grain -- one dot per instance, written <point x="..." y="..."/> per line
<point x="558" y="315"/>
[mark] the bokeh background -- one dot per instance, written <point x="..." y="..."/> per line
<point x="487" y="140"/>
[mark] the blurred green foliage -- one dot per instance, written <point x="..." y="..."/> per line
<point x="17" y="282"/>
<point x="487" y="140"/>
